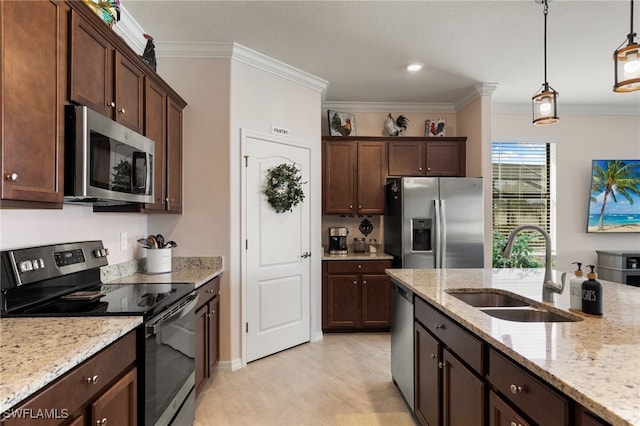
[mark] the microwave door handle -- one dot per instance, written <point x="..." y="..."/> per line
<point x="149" y="179"/>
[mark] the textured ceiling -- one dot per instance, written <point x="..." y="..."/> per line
<point x="362" y="47"/>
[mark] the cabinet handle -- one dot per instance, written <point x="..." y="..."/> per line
<point x="111" y="104"/>
<point x="515" y="424"/>
<point x="439" y="326"/>
<point x="102" y="422"/>
<point x="212" y="313"/>
<point x="359" y="206"/>
<point x="364" y="282"/>
<point x="210" y="290"/>
<point x="515" y="389"/>
<point x="12" y="177"/>
<point x="355" y="283"/>
<point x="434" y="356"/>
<point x="350" y="206"/>
<point x="207" y="315"/>
<point x="428" y="169"/>
<point x="359" y="266"/>
<point x="122" y="111"/>
<point x="442" y="364"/>
<point x="419" y="169"/>
<point x="92" y="380"/>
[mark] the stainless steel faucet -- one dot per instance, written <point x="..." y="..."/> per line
<point x="548" y="286"/>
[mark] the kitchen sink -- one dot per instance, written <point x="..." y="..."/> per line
<point x="487" y="298"/>
<point x="530" y="314"/>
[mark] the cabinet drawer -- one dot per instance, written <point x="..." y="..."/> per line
<point x="208" y="291"/>
<point x="76" y="388"/>
<point x="465" y="345"/>
<point x="541" y="403"/>
<point x="357" y="267"/>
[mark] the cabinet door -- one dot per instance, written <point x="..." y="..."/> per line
<point x="376" y="292"/>
<point x="463" y="393"/>
<point x="33" y="75"/>
<point x="428" y="401"/>
<point x="129" y="83"/>
<point x="339" y="177"/>
<point x="155" y="125"/>
<point x="406" y="158"/>
<point x="214" y="335"/>
<point x="371" y="166"/>
<point x="174" y="156"/>
<point x="91" y="67"/>
<point x="501" y="414"/>
<point x="201" y="362"/>
<point x="117" y="405"/>
<point x="341" y="302"/>
<point x="78" y="421"/>
<point x="445" y="158"/>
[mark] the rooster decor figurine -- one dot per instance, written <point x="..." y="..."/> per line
<point x="395" y="128"/>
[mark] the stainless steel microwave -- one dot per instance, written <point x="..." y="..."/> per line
<point x="105" y="162"/>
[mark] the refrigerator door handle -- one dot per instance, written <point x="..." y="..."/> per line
<point x="443" y="235"/>
<point x="437" y="231"/>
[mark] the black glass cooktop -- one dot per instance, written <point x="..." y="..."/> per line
<point x="112" y="299"/>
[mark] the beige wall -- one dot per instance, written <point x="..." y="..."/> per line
<point x="579" y="141"/>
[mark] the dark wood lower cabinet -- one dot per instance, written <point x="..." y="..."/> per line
<point x="356" y="295"/>
<point x="428" y="393"/>
<point x="117" y="406"/>
<point x="462" y="380"/>
<point x="207" y="354"/>
<point x="463" y="393"/>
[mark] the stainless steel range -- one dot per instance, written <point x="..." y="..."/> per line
<point x="64" y="280"/>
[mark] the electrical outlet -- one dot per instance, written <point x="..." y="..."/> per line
<point x="124" y="242"/>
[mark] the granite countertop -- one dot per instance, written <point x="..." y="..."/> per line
<point x="36" y="351"/>
<point x="379" y="255"/>
<point x="197" y="270"/>
<point x="595" y="361"/>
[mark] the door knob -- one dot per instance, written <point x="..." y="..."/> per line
<point x="305" y="255"/>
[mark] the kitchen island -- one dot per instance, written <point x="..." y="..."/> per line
<point x="595" y="361"/>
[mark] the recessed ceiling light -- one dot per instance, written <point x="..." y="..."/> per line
<point x="416" y="66"/>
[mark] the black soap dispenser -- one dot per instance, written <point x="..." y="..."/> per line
<point x="592" y="294"/>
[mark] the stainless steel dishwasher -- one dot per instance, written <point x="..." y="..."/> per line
<point x="402" y="341"/>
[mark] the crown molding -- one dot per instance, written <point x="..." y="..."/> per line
<point x="130" y="31"/>
<point x="480" y="89"/>
<point x="389" y="106"/>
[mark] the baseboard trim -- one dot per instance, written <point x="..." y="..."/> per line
<point x="232" y="365"/>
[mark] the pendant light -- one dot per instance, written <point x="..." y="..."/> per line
<point x="627" y="63"/>
<point x="545" y="101"/>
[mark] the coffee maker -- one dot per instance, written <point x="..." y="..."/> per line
<point x="338" y="240"/>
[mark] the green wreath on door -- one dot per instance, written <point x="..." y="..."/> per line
<point x="284" y="187"/>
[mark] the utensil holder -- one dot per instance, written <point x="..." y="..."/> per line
<point x="158" y="260"/>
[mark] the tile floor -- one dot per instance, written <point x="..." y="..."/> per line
<point x="310" y="384"/>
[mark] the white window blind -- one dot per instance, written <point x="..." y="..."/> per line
<point x="523" y="188"/>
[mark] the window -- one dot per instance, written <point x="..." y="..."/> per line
<point x="523" y="186"/>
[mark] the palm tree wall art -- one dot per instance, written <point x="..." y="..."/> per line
<point x="615" y="196"/>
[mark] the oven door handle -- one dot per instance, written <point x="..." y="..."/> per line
<point x="173" y="314"/>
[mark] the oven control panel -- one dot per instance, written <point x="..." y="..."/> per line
<point x="34" y="264"/>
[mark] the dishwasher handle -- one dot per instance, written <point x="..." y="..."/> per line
<point x="404" y="293"/>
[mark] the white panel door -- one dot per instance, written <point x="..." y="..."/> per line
<point x="277" y="299"/>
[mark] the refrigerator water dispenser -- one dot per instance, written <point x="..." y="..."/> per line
<point x="421" y="234"/>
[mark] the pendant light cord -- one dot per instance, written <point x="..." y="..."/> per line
<point x="632" y="35"/>
<point x="546" y="11"/>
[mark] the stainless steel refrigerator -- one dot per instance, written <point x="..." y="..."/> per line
<point x="435" y="222"/>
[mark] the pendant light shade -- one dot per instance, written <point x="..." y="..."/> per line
<point x="627" y="63"/>
<point x="545" y="101"/>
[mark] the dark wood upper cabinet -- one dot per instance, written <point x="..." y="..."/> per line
<point x="33" y="42"/>
<point x="427" y="157"/>
<point x="102" y="78"/>
<point x="354" y="174"/>
<point x="174" y="155"/>
<point x="155" y="125"/>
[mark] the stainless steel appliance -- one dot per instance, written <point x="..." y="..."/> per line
<point x="435" y="222"/>
<point x="338" y="240"/>
<point x="105" y="162"/>
<point x="64" y="280"/>
<point x="402" y="357"/>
